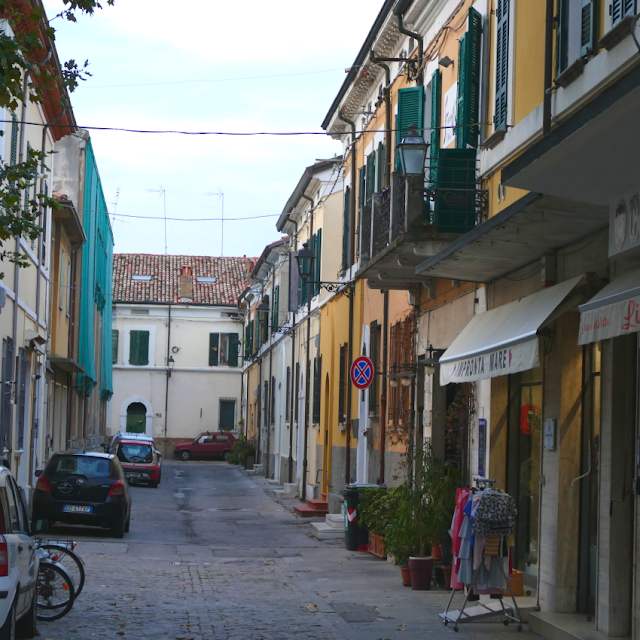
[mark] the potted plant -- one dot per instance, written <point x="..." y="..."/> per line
<point x="430" y="500"/>
<point x="401" y="541"/>
<point x="375" y="511"/>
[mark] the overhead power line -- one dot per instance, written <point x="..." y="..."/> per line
<point x="123" y="215"/>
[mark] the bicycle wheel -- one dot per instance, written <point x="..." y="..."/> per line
<point x="55" y="592"/>
<point x="70" y="560"/>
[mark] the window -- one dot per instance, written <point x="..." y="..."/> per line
<point x="206" y="439"/>
<point x="227" y="415"/>
<point x="114" y="346"/>
<point x="436" y="107"/>
<point x="502" y="64"/>
<point x="223" y="349"/>
<point x="139" y="348"/>
<point x="14" y="509"/>
<point x="317" y="373"/>
<point x="141" y="278"/>
<point x="410" y="111"/>
<point x="223" y="438"/>
<point x="620" y="9"/>
<point x="206" y="279"/>
<point x="139" y="312"/>
<point x="287" y="408"/>
<point x="576" y="29"/>
<point x="62" y="279"/>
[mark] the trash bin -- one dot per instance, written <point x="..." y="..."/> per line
<point x="354" y="535"/>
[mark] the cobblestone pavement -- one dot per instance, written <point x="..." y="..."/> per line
<point x="211" y="556"/>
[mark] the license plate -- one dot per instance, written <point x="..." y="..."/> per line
<point x="76" y="508"/>
<point x="134" y="475"/>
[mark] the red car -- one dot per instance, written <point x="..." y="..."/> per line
<point x="139" y="459"/>
<point x="206" y="445"/>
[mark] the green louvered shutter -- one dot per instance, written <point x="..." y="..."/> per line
<point x="318" y="262"/>
<point x="410" y="111"/>
<point x="562" y="36"/>
<point x="436" y="107"/>
<point x="345" y="228"/>
<point x="469" y="83"/>
<point x="502" y="64"/>
<point x="247" y="344"/>
<point x="114" y="346"/>
<point x="616" y="11"/>
<point x="15" y="131"/>
<point x="587" y="27"/>
<point x="139" y="348"/>
<point x="371" y="178"/>
<point x="275" y="309"/>
<point x="234" y="343"/>
<point x="380" y="166"/>
<point x="362" y="178"/>
<point x="252" y="332"/>
<point x="214" y="342"/>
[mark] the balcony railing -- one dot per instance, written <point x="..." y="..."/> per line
<point x="448" y="200"/>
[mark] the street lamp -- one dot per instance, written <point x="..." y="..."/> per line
<point x="413" y="152"/>
<point x="430" y="363"/>
<point x="305" y="260"/>
<point x="170" y="362"/>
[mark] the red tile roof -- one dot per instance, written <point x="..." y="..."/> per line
<point x="164" y="287"/>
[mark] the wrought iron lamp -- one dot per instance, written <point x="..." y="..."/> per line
<point x="305" y="260"/>
<point x="170" y="363"/>
<point x="430" y="363"/>
<point x="413" y="152"/>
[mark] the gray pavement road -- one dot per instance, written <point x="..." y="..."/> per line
<point x="211" y="556"/>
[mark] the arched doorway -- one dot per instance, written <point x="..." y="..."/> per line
<point x="136" y="418"/>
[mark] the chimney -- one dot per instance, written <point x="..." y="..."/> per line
<point x="186" y="284"/>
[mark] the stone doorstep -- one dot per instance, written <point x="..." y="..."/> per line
<point x="563" y="626"/>
<point x="290" y="488"/>
<point x="275" y="482"/>
<point x="305" y="511"/>
<point x="323" y="531"/>
<point x="335" y="521"/>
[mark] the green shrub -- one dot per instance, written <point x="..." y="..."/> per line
<point x="240" y="450"/>
<point x="376" y="508"/>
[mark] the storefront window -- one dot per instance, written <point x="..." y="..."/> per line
<point x="523" y="463"/>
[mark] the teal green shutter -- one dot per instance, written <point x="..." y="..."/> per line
<point x="247" y="343"/>
<point x="139" y="348"/>
<point x="275" y="309"/>
<point x="469" y="83"/>
<point x="621" y="9"/>
<point x="318" y="269"/>
<point x="371" y="178"/>
<point x="587" y="27"/>
<point x="410" y="111"/>
<point x="345" y="228"/>
<point x="317" y="364"/>
<point x="502" y="64"/>
<point x="214" y="341"/>
<point x="380" y="165"/>
<point x="252" y="332"/>
<point x="362" y="178"/>
<point x="436" y="106"/>
<point x="227" y="414"/>
<point x="562" y="36"/>
<point x="114" y="346"/>
<point x="234" y="343"/>
<point x="15" y="130"/>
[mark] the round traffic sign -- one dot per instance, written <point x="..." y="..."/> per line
<point x="362" y="372"/>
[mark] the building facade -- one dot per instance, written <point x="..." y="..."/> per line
<point x="176" y="346"/>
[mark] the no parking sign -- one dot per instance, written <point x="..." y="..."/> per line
<point x="362" y="372"/>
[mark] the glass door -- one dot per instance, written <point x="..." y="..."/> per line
<point x="523" y="463"/>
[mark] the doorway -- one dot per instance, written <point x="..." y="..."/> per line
<point x="136" y="418"/>
<point x="523" y="463"/>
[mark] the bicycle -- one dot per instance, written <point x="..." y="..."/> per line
<point x="63" y="551"/>
<point x="55" y="591"/>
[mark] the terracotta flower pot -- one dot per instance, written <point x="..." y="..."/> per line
<point x="436" y="551"/>
<point x="406" y="576"/>
<point x="421" y="570"/>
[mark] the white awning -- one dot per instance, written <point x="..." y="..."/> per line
<point x="503" y="340"/>
<point x="614" y="311"/>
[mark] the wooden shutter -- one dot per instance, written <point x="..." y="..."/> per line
<point x="373" y="354"/>
<point x="345" y="228"/>
<point x="318" y="262"/>
<point x="287" y="407"/>
<point x="227" y="415"/>
<point x="272" y="403"/>
<point x="502" y="64"/>
<point x="295" y="392"/>
<point x="436" y="107"/>
<point x="587" y="27"/>
<point x="234" y="343"/>
<point x="469" y="83"/>
<point x="316" y="390"/>
<point x="275" y="309"/>
<point x="380" y="167"/>
<point x="410" y="111"/>
<point x="621" y="9"/>
<point x="342" y="387"/>
<point x="312" y="273"/>
<point x="362" y="179"/>
<point x="139" y="347"/>
<point x="114" y="346"/>
<point x="15" y="130"/>
<point x="214" y="342"/>
<point x="252" y="332"/>
<point x="247" y="340"/>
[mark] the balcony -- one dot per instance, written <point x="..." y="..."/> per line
<point x="416" y="218"/>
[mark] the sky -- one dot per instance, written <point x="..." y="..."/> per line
<point x="206" y="68"/>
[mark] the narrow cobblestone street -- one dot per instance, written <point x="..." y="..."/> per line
<point x="211" y="556"/>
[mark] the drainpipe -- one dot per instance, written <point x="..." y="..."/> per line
<point x="352" y="204"/>
<point x="383" y="396"/>
<point x="386" y="95"/>
<point x="548" y="68"/>
<point x="166" y="388"/>
<point x="352" y="293"/>
<point x="398" y="11"/>
<point x="259" y="413"/>
<point x="71" y="342"/>
<point x="269" y="415"/>
<point x="307" y="382"/>
<point x="293" y="395"/>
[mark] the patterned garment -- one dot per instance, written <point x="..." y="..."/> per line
<point x="496" y="514"/>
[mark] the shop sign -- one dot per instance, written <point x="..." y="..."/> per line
<point x="518" y="357"/>
<point x="617" y="319"/>
<point x="624" y="225"/>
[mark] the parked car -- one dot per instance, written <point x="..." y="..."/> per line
<point x="82" y="487"/>
<point x="140" y="460"/>
<point x="18" y="563"/>
<point x="206" y="445"/>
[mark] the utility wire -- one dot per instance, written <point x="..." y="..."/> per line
<point x="123" y="215"/>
